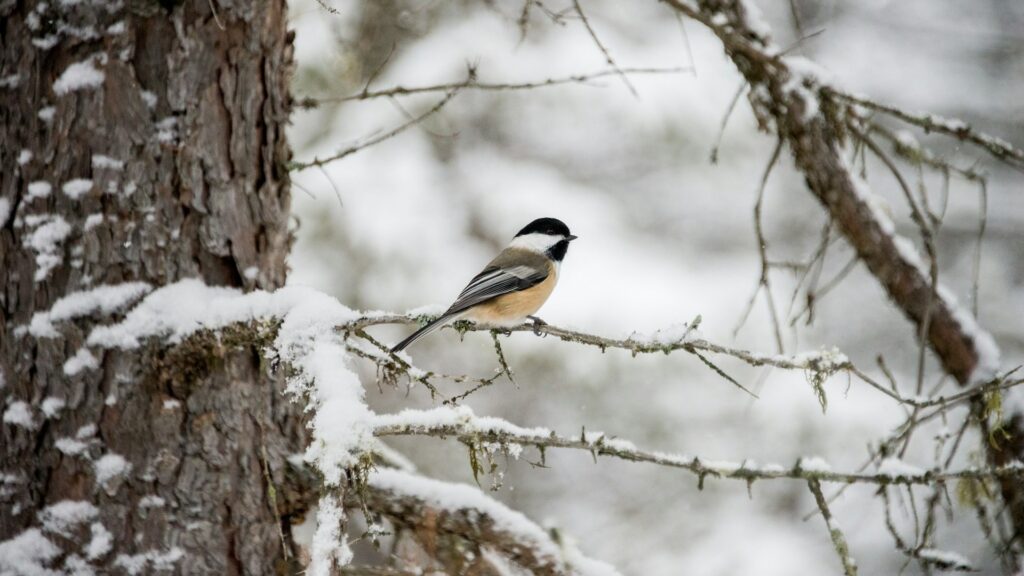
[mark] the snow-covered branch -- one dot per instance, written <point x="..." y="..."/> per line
<point x="462" y="424"/>
<point x="433" y="509"/>
<point x="997" y="147"/>
<point x="792" y="97"/>
<point x="685" y="338"/>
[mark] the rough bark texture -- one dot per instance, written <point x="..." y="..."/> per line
<point x="183" y="142"/>
<point x="457" y="541"/>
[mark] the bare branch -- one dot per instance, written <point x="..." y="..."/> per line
<point x="597" y="41"/>
<point x="445" y="422"/>
<point x="998" y="148"/>
<point x="838" y="540"/>
<point x="473" y="84"/>
<point x="297" y="166"/>
<point x="798" y="105"/>
<point x="824" y="362"/>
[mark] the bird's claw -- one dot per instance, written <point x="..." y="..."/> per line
<point x="537" y="323"/>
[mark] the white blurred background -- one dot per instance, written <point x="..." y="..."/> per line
<point x="665" y="235"/>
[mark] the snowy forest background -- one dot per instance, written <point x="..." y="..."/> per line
<point x="665" y="235"/>
<point x="786" y="342"/>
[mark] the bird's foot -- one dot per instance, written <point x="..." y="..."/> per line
<point x="537" y="323"/>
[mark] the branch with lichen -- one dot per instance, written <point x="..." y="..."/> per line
<point x="471" y="430"/>
<point x="819" y="365"/>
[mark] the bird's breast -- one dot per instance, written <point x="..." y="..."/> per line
<point x="512" y="308"/>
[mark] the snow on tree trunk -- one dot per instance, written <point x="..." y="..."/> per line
<point x="140" y="143"/>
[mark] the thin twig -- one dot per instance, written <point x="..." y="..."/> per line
<point x="597" y="41"/>
<point x="473" y="84"/>
<point x="725" y="121"/>
<point x="838" y="540"/>
<point x="958" y="129"/>
<point x="296" y="166"/>
<point x="331" y="9"/>
<point x="762" y="247"/>
<point x="475" y="430"/>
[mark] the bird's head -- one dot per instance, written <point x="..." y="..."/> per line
<point x="549" y="236"/>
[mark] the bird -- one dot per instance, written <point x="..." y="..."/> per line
<point x="514" y="285"/>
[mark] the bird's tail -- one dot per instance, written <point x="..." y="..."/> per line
<point x="422" y="332"/>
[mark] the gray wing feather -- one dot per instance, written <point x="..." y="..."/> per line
<point x="494" y="282"/>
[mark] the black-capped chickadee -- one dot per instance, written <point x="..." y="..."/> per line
<point x="514" y="285"/>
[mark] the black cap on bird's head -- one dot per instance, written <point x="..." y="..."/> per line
<point x="548" y="226"/>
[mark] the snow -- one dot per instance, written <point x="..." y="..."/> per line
<point x="46" y="42"/>
<point x="27" y="554"/>
<point x="341" y="423"/>
<point x="92" y="221"/>
<point x="151" y="501"/>
<point x="100" y="162"/>
<point x="451" y="497"/>
<point x="158" y="561"/>
<point x="329" y="549"/>
<point x="44" y="241"/>
<point x="984" y="344"/>
<point x="78" y="76"/>
<point x="52" y="406"/>
<point x="77" y="188"/>
<point x="461" y="497"/>
<point x="19" y="414"/>
<point x="814" y="464"/>
<point x="827" y="360"/>
<point x="807" y="68"/>
<point x="5" y="210"/>
<point x="101" y="543"/>
<point x="82" y="360"/>
<point x="754" y="20"/>
<point x="75" y="565"/>
<point x="38" y="189"/>
<point x="251" y="273"/>
<point x="178" y="310"/>
<point x="167" y="130"/>
<point x="307" y="341"/>
<point x="61" y="517"/>
<point x="460" y="417"/>
<point x="668" y="336"/>
<point x="894" y="467"/>
<point x="111" y="466"/>
<point x="907" y="139"/>
<point x="70" y="446"/>
<point x="24" y="157"/>
<point x="10" y="81"/>
<point x="106" y="299"/>
<point x="149" y="98"/>
<point x="953" y="560"/>
<point x="581" y="564"/>
<point x="47" y="113"/>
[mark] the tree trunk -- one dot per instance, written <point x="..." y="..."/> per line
<point x="140" y="142"/>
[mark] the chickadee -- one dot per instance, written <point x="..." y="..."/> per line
<point x="514" y="285"/>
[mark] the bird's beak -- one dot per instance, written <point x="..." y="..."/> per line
<point x="571" y="237"/>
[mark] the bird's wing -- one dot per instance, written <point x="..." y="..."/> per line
<point x="495" y="281"/>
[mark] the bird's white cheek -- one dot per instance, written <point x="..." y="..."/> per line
<point x="536" y="242"/>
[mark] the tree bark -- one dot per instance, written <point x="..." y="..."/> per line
<point x="158" y="130"/>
